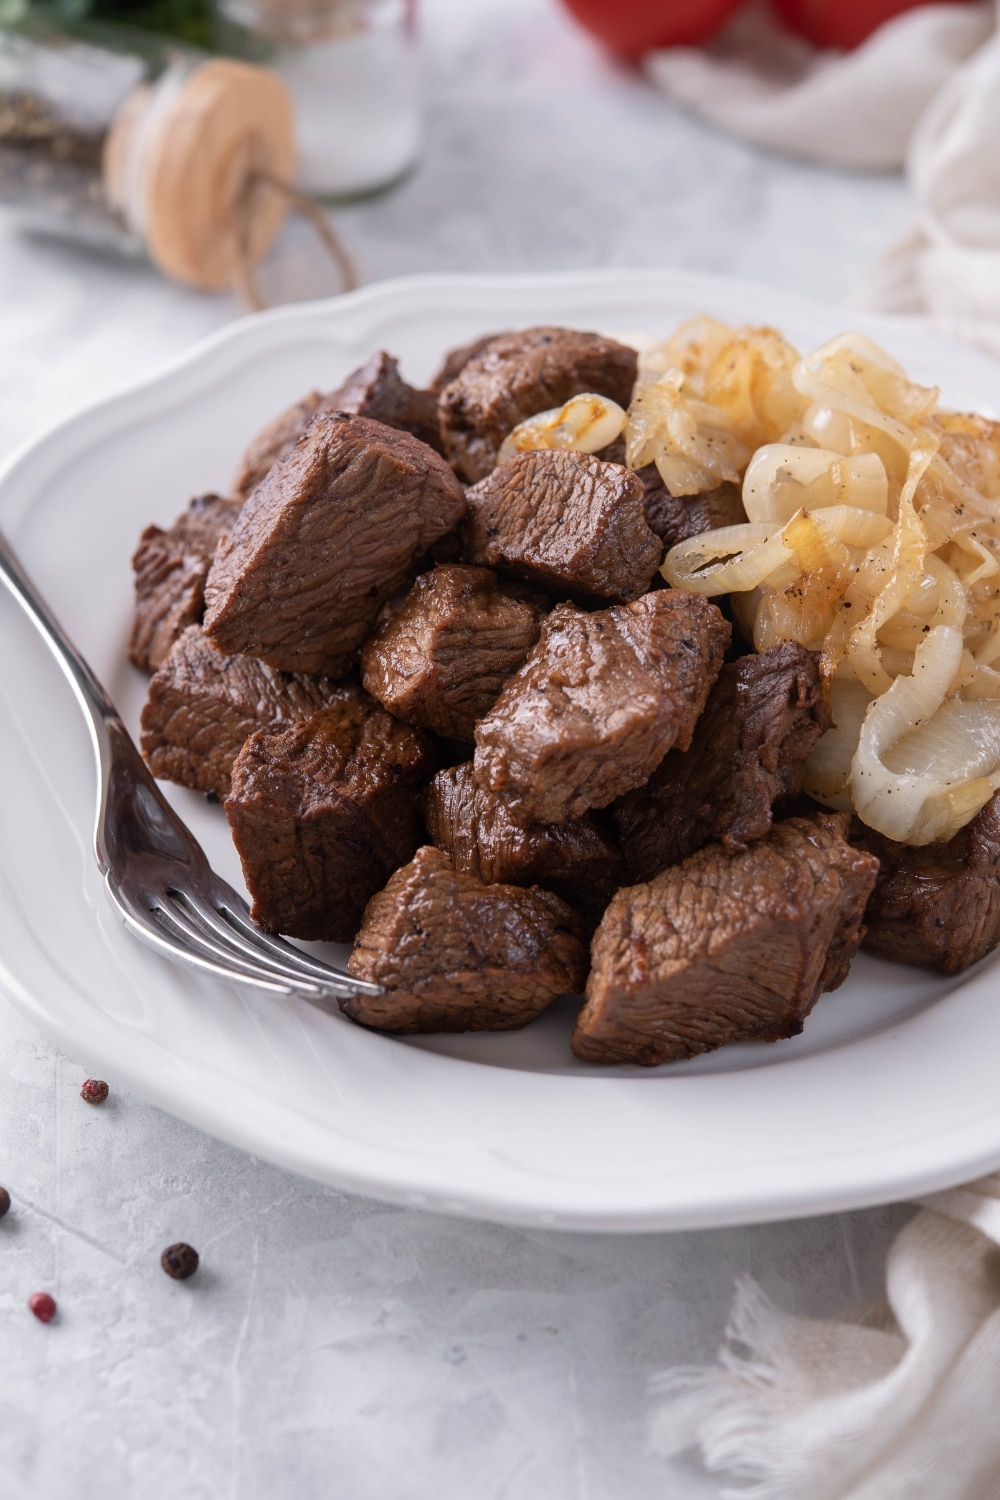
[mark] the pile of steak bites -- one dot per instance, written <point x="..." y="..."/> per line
<point x="455" y="718"/>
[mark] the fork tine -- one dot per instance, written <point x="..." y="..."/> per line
<point x="155" y="925"/>
<point x="221" y="928"/>
<point x="260" y="943"/>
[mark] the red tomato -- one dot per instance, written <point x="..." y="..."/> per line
<point x="630" y="27"/>
<point x="842" y="23"/>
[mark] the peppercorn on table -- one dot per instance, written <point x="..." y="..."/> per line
<point x="306" y="1342"/>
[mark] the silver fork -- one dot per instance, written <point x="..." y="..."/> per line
<point x="155" y="872"/>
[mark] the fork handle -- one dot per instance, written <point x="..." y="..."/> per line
<point x="107" y="729"/>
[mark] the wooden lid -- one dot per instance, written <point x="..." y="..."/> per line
<point x="195" y="148"/>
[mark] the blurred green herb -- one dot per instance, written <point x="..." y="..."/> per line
<point x="190" y="20"/>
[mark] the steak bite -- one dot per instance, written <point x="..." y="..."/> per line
<point x="564" y="520"/>
<point x="674" y="518"/>
<point x="202" y="705"/>
<point x="456" y="360"/>
<point x="334" y="530"/>
<point x="376" y="389"/>
<point x="763" y="717"/>
<point x="441" y="657"/>
<point x="274" y="441"/>
<point x="322" y="813"/>
<point x="170" y="571"/>
<point x="457" y="955"/>
<point x="598" y="703"/>
<point x="576" y="859"/>
<point x="517" y="375"/>
<point x="937" y="906"/>
<point x="726" y="948"/>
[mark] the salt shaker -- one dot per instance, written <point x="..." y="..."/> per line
<point x="135" y="144"/>
<point x="352" y="70"/>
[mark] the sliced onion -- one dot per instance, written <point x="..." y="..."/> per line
<point x="782" y="479"/>
<point x="585" y="424"/>
<point x="828" y="769"/>
<point x="911" y="808"/>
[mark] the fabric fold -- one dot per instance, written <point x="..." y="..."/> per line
<point x="897" y="1405"/>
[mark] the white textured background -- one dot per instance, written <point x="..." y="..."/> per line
<point x="330" y="1346"/>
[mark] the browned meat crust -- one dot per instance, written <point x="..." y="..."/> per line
<point x="599" y="702"/>
<point x="274" y="441"/>
<point x="334" y="530"/>
<point x="322" y="814"/>
<point x="937" y="906"/>
<point x="202" y="705"/>
<point x="519" y="374"/>
<point x="376" y="389"/>
<point x="726" y="948"/>
<point x="458" y="955"/>
<point x="456" y="360"/>
<point x="762" y="719"/>
<point x="576" y="859"/>
<point x="674" y="518"/>
<point x="441" y="657"/>
<point x="566" y="521"/>
<point x="170" y="571"/>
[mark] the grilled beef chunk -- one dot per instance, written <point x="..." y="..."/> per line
<point x="322" y="813"/>
<point x="576" y="859"/>
<point x="674" y="518"/>
<point x="564" y="520"/>
<point x="456" y="360"/>
<point x="598" y="703"/>
<point x="441" y="657"/>
<point x="274" y="441"/>
<point x="334" y="530"/>
<point x="937" y="906"/>
<point x="457" y="955"/>
<point x="202" y="705"/>
<point x="170" y="571"/>
<point x="726" y="948"/>
<point x="376" y="389"/>
<point x="762" y="719"/>
<point x="518" y="375"/>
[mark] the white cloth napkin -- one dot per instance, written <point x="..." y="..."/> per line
<point x="900" y="1404"/>
<point x="923" y="91"/>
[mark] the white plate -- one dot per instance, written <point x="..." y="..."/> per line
<point x="892" y="1088"/>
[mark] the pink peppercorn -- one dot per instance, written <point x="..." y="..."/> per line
<point x="43" y="1306"/>
<point x="95" y="1091"/>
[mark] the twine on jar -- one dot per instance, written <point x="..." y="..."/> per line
<point x="244" y="269"/>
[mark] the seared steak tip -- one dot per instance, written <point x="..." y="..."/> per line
<point x="577" y="859"/>
<point x="763" y="716"/>
<point x="567" y="521"/>
<point x="440" y="657"/>
<point x="457" y="955"/>
<point x="170" y="570"/>
<point x="332" y="532"/>
<point x="203" y="704"/>
<point x="726" y="948"/>
<point x="322" y="813"/>
<point x="936" y="906"/>
<point x="517" y="375"/>
<point x="599" y="702"/>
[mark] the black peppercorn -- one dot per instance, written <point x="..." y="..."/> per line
<point x="95" y="1091"/>
<point x="4" y="1202"/>
<point x="179" y="1261"/>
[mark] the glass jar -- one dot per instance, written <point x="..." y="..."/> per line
<point x="352" y="70"/>
<point x="134" y="144"/>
